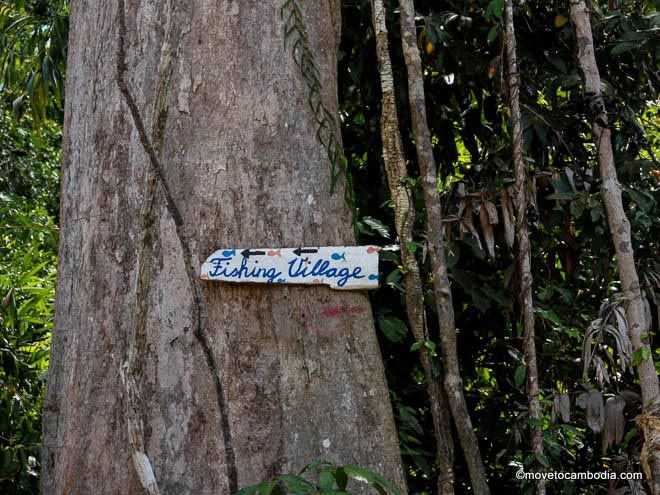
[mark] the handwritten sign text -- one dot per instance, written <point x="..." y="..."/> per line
<point x="340" y="267"/>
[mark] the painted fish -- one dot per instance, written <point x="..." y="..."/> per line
<point x="373" y="249"/>
<point x="373" y="277"/>
<point x="229" y="253"/>
<point x="338" y="256"/>
<point x="275" y="253"/>
<point x="281" y="280"/>
<point x="317" y="281"/>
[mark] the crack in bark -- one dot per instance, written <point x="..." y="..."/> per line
<point x="186" y="250"/>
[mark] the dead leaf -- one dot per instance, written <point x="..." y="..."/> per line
<point x="508" y="219"/>
<point x="569" y="175"/>
<point x="592" y="401"/>
<point x="595" y="410"/>
<point x="492" y="67"/>
<point x="615" y="423"/>
<point x="466" y="225"/>
<point x="487" y="230"/>
<point x="561" y="406"/>
<point x="492" y="212"/>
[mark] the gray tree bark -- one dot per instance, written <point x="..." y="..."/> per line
<point x="225" y="110"/>
<point x="404" y="219"/>
<point x="524" y="247"/>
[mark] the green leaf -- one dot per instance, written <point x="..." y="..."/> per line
<point x="414" y="246"/>
<point x="326" y="480"/>
<point x="623" y="47"/>
<point x="393" y="328"/>
<point x="577" y="209"/>
<point x="493" y="34"/>
<point x="519" y="375"/>
<point x="260" y="489"/>
<point x="341" y="478"/>
<point x="378" y="226"/>
<point x="366" y="476"/>
<point x="643" y="353"/>
<point x="296" y="484"/>
<point x="550" y="315"/>
<point x="542" y="460"/>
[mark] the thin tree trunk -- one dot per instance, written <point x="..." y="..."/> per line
<point x="235" y="151"/>
<point x="524" y="256"/>
<point x="397" y="173"/>
<point x="404" y="217"/>
<point x="621" y="237"/>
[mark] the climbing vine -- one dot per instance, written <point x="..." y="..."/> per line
<point x="295" y="34"/>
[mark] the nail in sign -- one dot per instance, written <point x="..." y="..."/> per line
<point x="340" y="267"/>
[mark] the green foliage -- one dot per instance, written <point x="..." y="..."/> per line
<point x="33" y="37"/>
<point x="329" y="479"/>
<point x="29" y="203"/>
<point x="28" y="258"/>
<point x="30" y="162"/>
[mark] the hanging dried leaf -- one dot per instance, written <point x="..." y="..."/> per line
<point x="509" y="273"/>
<point x="508" y="219"/>
<point x="592" y="401"/>
<point x="631" y="397"/>
<point x="487" y="230"/>
<point x="492" y="212"/>
<point x="463" y="203"/>
<point x="602" y="377"/>
<point x="561" y="406"/>
<point x="595" y="411"/>
<point x="611" y="321"/>
<point x="582" y="400"/>
<point x="466" y="226"/>
<point x="569" y="175"/>
<point x="614" y="424"/>
<point x="531" y="190"/>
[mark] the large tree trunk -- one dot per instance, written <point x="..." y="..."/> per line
<point x="621" y="237"/>
<point x="299" y="368"/>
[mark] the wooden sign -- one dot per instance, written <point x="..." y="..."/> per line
<point x="341" y="267"/>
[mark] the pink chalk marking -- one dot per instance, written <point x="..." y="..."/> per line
<point x="331" y="311"/>
<point x="355" y="310"/>
<point x="373" y="249"/>
<point x="317" y="281"/>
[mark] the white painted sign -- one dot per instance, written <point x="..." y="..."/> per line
<point x="341" y="267"/>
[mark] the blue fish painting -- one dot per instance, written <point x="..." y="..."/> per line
<point x="373" y="277"/>
<point x="229" y="253"/>
<point x="281" y="280"/>
<point x="338" y="256"/>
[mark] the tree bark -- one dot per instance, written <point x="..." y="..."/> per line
<point x="404" y="217"/>
<point x="434" y="233"/>
<point x="524" y="255"/>
<point x="228" y="120"/>
<point x="621" y="237"/>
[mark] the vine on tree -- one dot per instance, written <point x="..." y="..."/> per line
<point x="327" y="130"/>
